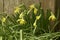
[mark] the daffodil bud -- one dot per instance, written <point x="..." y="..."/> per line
<point x="21" y="21"/>
<point x="52" y="17"/>
<point x="35" y="11"/>
<point x="38" y="17"/>
<point x="3" y="19"/>
<point x="32" y="6"/>
<point x="34" y="24"/>
<point x="17" y="10"/>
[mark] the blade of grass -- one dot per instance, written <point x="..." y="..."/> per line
<point x="54" y="26"/>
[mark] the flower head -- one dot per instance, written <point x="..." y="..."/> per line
<point x="21" y="21"/>
<point x="32" y="6"/>
<point x="35" y="11"/>
<point x="38" y="17"/>
<point x="17" y="10"/>
<point x="3" y="19"/>
<point x="52" y="17"/>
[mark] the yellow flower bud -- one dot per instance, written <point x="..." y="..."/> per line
<point x="38" y="17"/>
<point x="17" y="10"/>
<point x="35" y="11"/>
<point x="21" y="21"/>
<point x="3" y="19"/>
<point x="52" y="17"/>
<point x="32" y="6"/>
<point x="34" y="24"/>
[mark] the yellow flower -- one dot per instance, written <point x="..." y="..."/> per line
<point x="3" y="19"/>
<point x="34" y="24"/>
<point x="38" y="17"/>
<point x="17" y="10"/>
<point x="35" y="11"/>
<point x="52" y="17"/>
<point x="32" y="6"/>
<point x="21" y="21"/>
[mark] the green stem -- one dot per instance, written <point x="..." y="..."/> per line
<point x="54" y="26"/>
<point x="20" y="34"/>
<point x="34" y="30"/>
<point x="0" y="37"/>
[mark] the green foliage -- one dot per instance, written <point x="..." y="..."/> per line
<point x="28" y="24"/>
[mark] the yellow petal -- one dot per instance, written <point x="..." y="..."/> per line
<point x="34" y="24"/>
<point x="52" y="17"/>
<point x="21" y="21"/>
<point x="18" y="20"/>
<point x="35" y="11"/>
<point x="38" y="17"/>
<point x="17" y="9"/>
<point x="3" y="19"/>
<point x="32" y="6"/>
